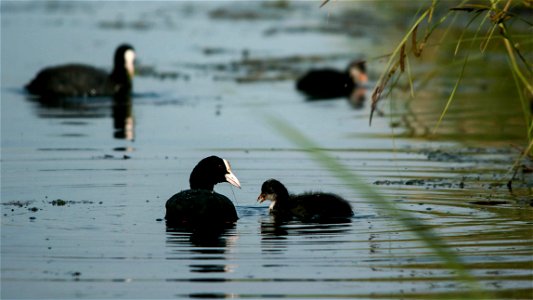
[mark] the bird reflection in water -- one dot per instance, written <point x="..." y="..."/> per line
<point x="208" y="245"/>
<point x="275" y="231"/>
<point x="357" y="97"/>
<point x="199" y="236"/>
<point x="95" y="107"/>
<point x="274" y="227"/>
<point x="123" y="121"/>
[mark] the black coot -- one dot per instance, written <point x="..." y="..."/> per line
<point x="331" y="83"/>
<point x="200" y="205"/>
<point x="77" y="80"/>
<point x="306" y="207"/>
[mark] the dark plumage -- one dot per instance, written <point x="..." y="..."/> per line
<point x="77" y="80"/>
<point x="200" y="205"/>
<point x="307" y="207"/>
<point x="330" y="83"/>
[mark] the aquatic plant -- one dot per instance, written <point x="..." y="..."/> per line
<point x="499" y="31"/>
<point x="499" y="24"/>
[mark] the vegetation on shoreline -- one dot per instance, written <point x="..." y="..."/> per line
<point x="499" y="31"/>
<point x="501" y="25"/>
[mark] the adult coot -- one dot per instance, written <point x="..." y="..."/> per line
<point x="77" y="80"/>
<point x="307" y="207"/>
<point x="200" y="205"/>
<point x="330" y="83"/>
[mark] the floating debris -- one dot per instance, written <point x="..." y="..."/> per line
<point x="18" y="203"/>
<point x="61" y="202"/>
<point x="489" y="202"/>
<point x="109" y="156"/>
<point x="469" y="155"/>
<point x="434" y="183"/>
<point x="151" y="71"/>
<point x="58" y="202"/>
<point x="121" y="25"/>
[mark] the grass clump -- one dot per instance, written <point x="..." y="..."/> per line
<point x="495" y="20"/>
<point x="505" y="25"/>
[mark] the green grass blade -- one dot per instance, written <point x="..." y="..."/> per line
<point x="461" y="38"/>
<point x="518" y="160"/>
<point x="410" y="78"/>
<point x="485" y="43"/>
<point x="516" y="69"/>
<point x="381" y="81"/>
<point x="523" y="102"/>
<point x="452" y="95"/>
<point x="422" y="231"/>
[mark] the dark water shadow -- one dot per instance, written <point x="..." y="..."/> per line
<point x="356" y="98"/>
<point x="276" y="233"/>
<point x="71" y="107"/>
<point x="203" y="249"/>
<point x="119" y="107"/>
<point x="198" y="236"/>
<point x="123" y="121"/>
<point x="274" y="227"/>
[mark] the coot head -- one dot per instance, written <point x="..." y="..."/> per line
<point x="357" y="72"/>
<point x="124" y="61"/>
<point x="210" y="171"/>
<point x="273" y="190"/>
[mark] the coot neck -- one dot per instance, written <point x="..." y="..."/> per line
<point x="121" y="77"/>
<point x="201" y="181"/>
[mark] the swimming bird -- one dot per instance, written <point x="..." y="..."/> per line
<point x="79" y="80"/>
<point x="200" y="205"/>
<point x="330" y="83"/>
<point x="308" y="206"/>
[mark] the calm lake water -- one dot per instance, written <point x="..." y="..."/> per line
<point x="210" y="74"/>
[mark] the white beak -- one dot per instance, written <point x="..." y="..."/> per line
<point x="129" y="58"/>
<point x="230" y="177"/>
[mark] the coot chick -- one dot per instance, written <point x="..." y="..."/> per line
<point x="200" y="206"/>
<point x="306" y="207"/>
<point x="78" y="80"/>
<point x="330" y="83"/>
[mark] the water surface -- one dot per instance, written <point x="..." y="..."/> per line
<point x="208" y="74"/>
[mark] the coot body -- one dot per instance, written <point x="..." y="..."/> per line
<point x="330" y="83"/>
<point x="78" y="80"/>
<point x="200" y="206"/>
<point x="306" y="207"/>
